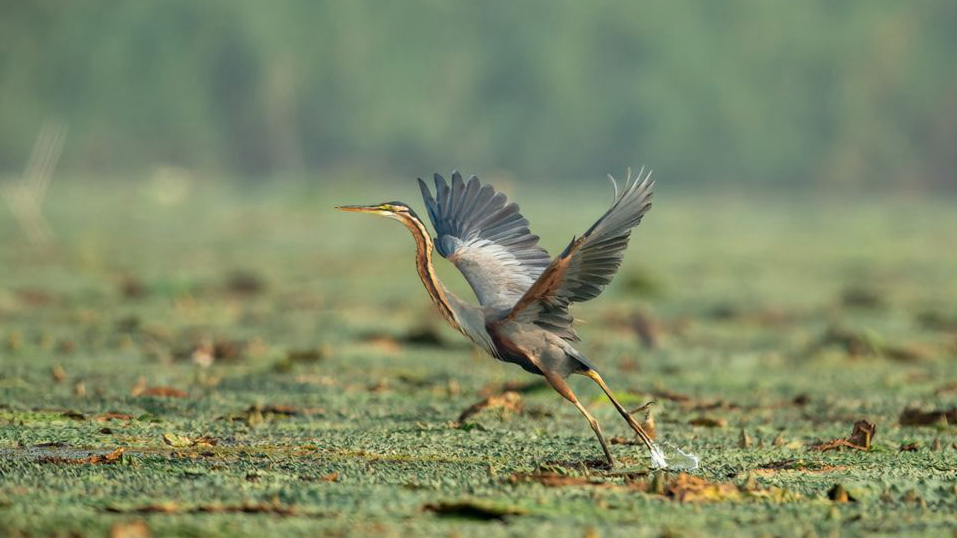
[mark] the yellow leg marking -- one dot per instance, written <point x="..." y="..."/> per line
<point x="621" y="410"/>
<point x="561" y="386"/>
<point x="597" y="429"/>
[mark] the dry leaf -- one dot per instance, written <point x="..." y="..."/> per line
<point x="385" y="344"/>
<point x="112" y="457"/>
<point x="860" y="438"/>
<point x="916" y="417"/>
<point x="311" y="355"/>
<point x="838" y="493"/>
<point x="647" y="329"/>
<point x="509" y="401"/>
<point x="687" y="488"/>
<point x="551" y="479"/>
<point x="473" y="510"/>
<point x="910" y="447"/>
<point x="110" y="415"/>
<point x="521" y="387"/>
<point x="175" y="440"/>
<point x="910" y="352"/>
<point x="162" y="392"/>
<point x="281" y="409"/>
<point x="744" y="440"/>
<point x="708" y="422"/>
<point x="139" y="387"/>
<point x="205" y="441"/>
<point x="673" y="396"/>
<point x="130" y="529"/>
<point x="174" y="508"/>
<point x="58" y="373"/>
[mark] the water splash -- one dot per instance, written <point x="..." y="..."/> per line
<point x="678" y="460"/>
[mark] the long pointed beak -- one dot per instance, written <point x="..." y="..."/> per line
<point x="360" y="208"/>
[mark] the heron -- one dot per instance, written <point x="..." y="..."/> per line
<point x="524" y="294"/>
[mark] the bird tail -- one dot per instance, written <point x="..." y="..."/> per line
<point x="586" y="364"/>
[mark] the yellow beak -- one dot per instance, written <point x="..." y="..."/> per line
<point x="360" y="208"/>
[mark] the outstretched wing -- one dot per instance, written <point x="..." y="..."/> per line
<point x="486" y="238"/>
<point x="587" y="265"/>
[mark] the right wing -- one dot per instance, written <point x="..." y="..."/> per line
<point x="587" y="265"/>
<point x="487" y="239"/>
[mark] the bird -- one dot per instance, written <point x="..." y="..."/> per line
<point x="524" y="294"/>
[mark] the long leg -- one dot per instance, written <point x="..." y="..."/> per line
<point x="624" y="413"/>
<point x="562" y="388"/>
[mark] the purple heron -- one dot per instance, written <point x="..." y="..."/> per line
<point x="523" y="293"/>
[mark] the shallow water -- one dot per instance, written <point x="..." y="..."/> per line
<point x="677" y="459"/>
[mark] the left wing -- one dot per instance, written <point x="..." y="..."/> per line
<point x="587" y="265"/>
<point x="486" y="238"/>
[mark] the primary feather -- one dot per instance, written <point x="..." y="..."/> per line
<point x="587" y="265"/>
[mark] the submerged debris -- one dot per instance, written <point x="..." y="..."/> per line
<point x="860" y="438"/>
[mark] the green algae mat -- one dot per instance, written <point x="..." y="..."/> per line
<point x="189" y="360"/>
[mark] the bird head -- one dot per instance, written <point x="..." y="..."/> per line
<point x="395" y="210"/>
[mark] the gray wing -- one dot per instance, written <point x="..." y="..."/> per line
<point x="587" y="265"/>
<point x="486" y="238"/>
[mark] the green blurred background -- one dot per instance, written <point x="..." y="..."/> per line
<point x="852" y="95"/>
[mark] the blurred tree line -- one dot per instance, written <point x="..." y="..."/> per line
<point x="862" y="93"/>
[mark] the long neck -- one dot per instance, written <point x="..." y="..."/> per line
<point x="423" y="264"/>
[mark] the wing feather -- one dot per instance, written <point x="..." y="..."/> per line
<point x="588" y="264"/>
<point x="486" y="238"/>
